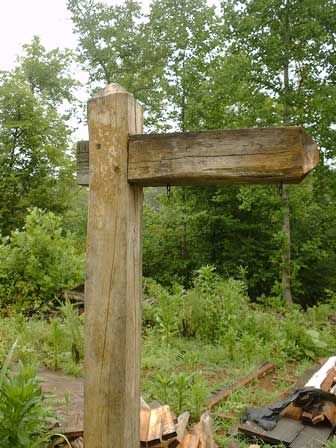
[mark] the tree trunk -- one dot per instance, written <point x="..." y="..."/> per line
<point x="286" y="247"/>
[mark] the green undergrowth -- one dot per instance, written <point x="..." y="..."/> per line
<point x="194" y="341"/>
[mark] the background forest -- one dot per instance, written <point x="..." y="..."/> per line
<point x="194" y="67"/>
<point x="232" y="275"/>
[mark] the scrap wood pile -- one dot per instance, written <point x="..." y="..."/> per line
<point x="305" y="418"/>
<point x="160" y="428"/>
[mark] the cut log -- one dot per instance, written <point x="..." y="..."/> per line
<point x="168" y="426"/>
<point x="190" y="441"/>
<point x="226" y="391"/>
<point x="145" y="414"/>
<point x="182" y="423"/>
<point x="206" y="426"/>
<point x="259" y="155"/>
<point x="155" y="424"/>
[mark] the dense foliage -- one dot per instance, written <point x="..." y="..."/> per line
<point x="215" y="259"/>
<point x="252" y="63"/>
<point x="37" y="263"/>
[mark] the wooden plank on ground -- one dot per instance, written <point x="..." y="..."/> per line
<point x="226" y="391"/>
<point x="285" y="431"/>
<point x="312" y="437"/>
<point x="258" y="155"/>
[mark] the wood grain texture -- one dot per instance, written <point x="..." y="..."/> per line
<point x="221" y="157"/>
<point x="259" y="155"/>
<point x="182" y="423"/>
<point x="113" y="283"/>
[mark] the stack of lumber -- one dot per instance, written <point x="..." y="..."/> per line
<point x="159" y="428"/>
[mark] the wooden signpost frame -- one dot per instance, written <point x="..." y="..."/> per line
<point x="117" y="163"/>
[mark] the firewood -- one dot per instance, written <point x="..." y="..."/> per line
<point x="207" y="429"/>
<point x="190" y="441"/>
<point x="182" y="423"/>
<point x="168" y="427"/>
<point x="145" y="414"/>
<point x="292" y="411"/>
<point x="307" y="417"/>
<point x="318" y="419"/>
<point x="155" y="424"/>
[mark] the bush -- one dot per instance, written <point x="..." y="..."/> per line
<point x="218" y="311"/>
<point x="37" y="263"/>
<point x="24" y="418"/>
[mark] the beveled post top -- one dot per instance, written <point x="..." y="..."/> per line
<point x="110" y="89"/>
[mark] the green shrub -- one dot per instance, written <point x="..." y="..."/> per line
<point x="37" y="262"/>
<point x="24" y="418"/>
<point x="218" y="311"/>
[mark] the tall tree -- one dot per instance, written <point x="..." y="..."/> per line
<point x="35" y="168"/>
<point x="186" y="32"/>
<point x="115" y="45"/>
<point x="290" y="45"/>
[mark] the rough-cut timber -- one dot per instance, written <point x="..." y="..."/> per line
<point x="113" y="284"/>
<point x="258" y="155"/>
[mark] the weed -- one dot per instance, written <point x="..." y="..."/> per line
<point x="198" y="394"/>
<point x="181" y="383"/>
<point x="56" y="336"/>
<point x="74" y="330"/>
<point x="23" y="416"/>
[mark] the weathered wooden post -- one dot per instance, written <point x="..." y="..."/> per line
<point x="120" y="165"/>
<point x="113" y="283"/>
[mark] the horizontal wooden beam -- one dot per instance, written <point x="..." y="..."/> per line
<point x="258" y="155"/>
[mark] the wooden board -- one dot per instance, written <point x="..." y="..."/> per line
<point x="113" y="277"/>
<point x="285" y="431"/>
<point x="168" y="426"/>
<point x="312" y="437"/>
<point x="290" y="432"/>
<point x="155" y="424"/>
<point x="182" y="423"/>
<point x="145" y="414"/>
<point x="258" y="155"/>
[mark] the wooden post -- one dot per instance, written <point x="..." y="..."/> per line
<point x="113" y="283"/>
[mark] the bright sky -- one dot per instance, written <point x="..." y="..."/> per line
<point x="20" y="20"/>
